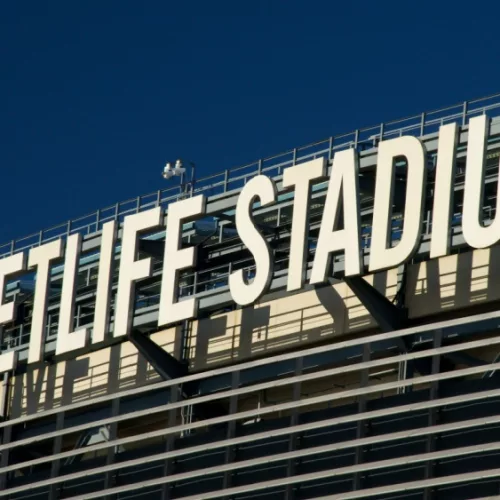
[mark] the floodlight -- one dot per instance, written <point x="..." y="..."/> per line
<point x="168" y="171"/>
<point x="179" y="168"/>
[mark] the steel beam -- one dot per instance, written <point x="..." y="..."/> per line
<point x="170" y="368"/>
<point x="386" y="314"/>
<point x="164" y="363"/>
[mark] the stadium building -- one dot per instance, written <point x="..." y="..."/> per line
<point x="318" y="324"/>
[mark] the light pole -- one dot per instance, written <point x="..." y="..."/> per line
<point x="178" y="169"/>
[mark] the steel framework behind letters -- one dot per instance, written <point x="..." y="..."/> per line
<point x="334" y="392"/>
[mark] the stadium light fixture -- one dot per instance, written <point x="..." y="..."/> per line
<point x="179" y="168"/>
<point x="168" y="171"/>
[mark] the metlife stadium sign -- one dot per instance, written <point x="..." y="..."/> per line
<point x="342" y="198"/>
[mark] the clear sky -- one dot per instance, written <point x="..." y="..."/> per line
<point x="95" y="96"/>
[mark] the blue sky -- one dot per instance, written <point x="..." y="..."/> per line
<point x="96" y="96"/>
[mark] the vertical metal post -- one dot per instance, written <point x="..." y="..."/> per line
<point x="78" y="315"/>
<point x="259" y="167"/>
<point x="294" y="439"/>
<point x="40" y="237"/>
<point x="362" y="424"/>
<point x="19" y="340"/>
<point x="109" y="478"/>
<point x="12" y="246"/>
<point x="168" y="467"/>
<point x="356" y="138"/>
<point x="191" y="187"/>
<point x="117" y="210"/>
<point x="185" y="340"/>
<point x="464" y="112"/>
<point x="330" y="148"/>
<point x="68" y="230"/>
<point x="428" y="222"/>
<point x="187" y="418"/>
<point x="422" y="124"/>
<point x="97" y="219"/>
<point x="230" y="451"/>
<point x="226" y="179"/>
<point x="6" y="432"/>
<point x="182" y="187"/>
<point x="56" y="464"/>
<point x="195" y="282"/>
<point x="4" y="456"/>
<point x="294" y="160"/>
<point x="402" y="368"/>
<point x="433" y="412"/>
<point x="158" y="198"/>
<point x="5" y="389"/>
<point x="410" y="372"/>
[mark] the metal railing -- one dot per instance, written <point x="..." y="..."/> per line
<point x="236" y="178"/>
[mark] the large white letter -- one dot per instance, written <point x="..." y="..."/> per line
<point x="382" y="256"/>
<point x="176" y="259"/>
<point x="443" y="190"/>
<point x="40" y="257"/>
<point x="131" y="269"/>
<point x="244" y="293"/>
<point x="9" y="266"/>
<point x="67" y="339"/>
<point x="343" y="178"/>
<point x="103" y="294"/>
<point x="299" y="177"/>
<point x="475" y="234"/>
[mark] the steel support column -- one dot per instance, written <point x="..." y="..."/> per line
<point x="433" y="413"/>
<point x="4" y="456"/>
<point x="6" y="432"/>
<point x="230" y="453"/>
<point x="56" y="464"/>
<point x="361" y="427"/>
<point x="110" y="478"/>
<point x="294" y="437"/>
<point x="168" y="468"/>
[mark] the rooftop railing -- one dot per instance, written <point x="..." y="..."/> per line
<point x="236" y="178"/>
